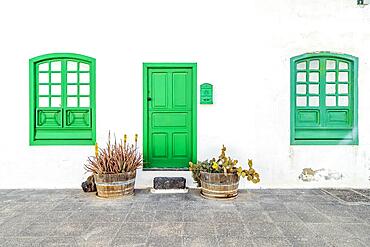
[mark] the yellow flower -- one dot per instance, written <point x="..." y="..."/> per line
<point x="215" y="166"/>
<point x="136" y="135"/>
<point x="191" y="165"/>
<point x="124" y="138"/>
<point x="239" y="171"/>
<point x="250" y="163"/>
<point x="96" y="150"/>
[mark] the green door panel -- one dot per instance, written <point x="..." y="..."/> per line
<point x="78" y="118"/>
<point x="180" y="145"/>
<point x="339" y="118"/>
<point x="62" y="134"/>
<point x="49" y="118"/>
<point x="170" y="119"/>
<point x="169" y="115"/>
<point x="307" y="118"/>
<point x="159" y="145"/>
<point x="324" y="134"/>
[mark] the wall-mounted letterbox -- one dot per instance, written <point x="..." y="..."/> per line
<point x="206" y="93"/>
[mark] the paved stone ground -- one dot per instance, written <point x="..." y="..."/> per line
<point x="255" y="218"/>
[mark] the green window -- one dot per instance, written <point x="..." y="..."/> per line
<point x="62" y="99"/>
<point x="324" y="99"/>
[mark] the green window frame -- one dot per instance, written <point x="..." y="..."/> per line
<point x="324" y="99"/>
<point x="62" y="99"/>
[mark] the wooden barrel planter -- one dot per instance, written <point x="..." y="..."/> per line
<point x="219" y="185"/>
<point x="115" y="185"/>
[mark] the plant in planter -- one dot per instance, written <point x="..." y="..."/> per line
<point x="220" y="178"/>
<point x="114" y="167"/>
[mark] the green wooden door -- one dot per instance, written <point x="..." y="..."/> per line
<point x="169" y="105"/>
<point x="62" y="99"/>
<point x="324" y="99"/>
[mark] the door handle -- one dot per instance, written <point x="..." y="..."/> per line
<point x="149" y="98"/>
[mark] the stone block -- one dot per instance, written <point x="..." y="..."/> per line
<point x="165" y="183"/>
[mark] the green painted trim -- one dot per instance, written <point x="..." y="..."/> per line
<point x="193" y="67"/>
<point x="195" y="107"/>
<point x="93" y="99"/>
<point x="32" y="63"/>
<point x="61" y="55"/>
<point x="31" y="101"/>
<point x="145" y="114"/>
<point x="323" y="142"/>
<point x="355" y="100"/>
<point x="348" y="57"/>
<point x="63" y="142"/>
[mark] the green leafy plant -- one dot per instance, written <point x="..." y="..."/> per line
<point x="115" y="158"/>
<point x="224" y="165"/>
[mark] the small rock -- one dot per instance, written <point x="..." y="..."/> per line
<point x="89" y="184"/>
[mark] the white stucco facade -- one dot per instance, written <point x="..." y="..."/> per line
<point x="242" y="47"/>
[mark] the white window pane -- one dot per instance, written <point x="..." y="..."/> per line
<point x="301" y="77"/>
<point x="56" y="66"/>
<point x="330" y="101"/>
<point x="330" y="64"/>
<point x="301" y="65"/>
<point x="313" y="88"/>
<point x="84" y="77"/>
<point x="314" y="64"/>
<point x="44" y="67"/>
<point x="314" y="77"/>
<point x="342" y="88"/>
<point x="301" y="89"/>
<point x="71" y="66"/>
<point x="43" y="102"/>
<point x="84" y="67"/>
<point x="84" y="102"/>
<point x="343" y="100"/>
<point x="71" y="77"/>
<point x="330" y="76"/>
<point x="84" y="90"/>
<point x="56" y="102"/>
<point x="72" y="101"/>
<point x="330" y="88"/>
<point x="56" y="90"/>
<point x="301" y="101"/>
<point x="313" y="101"/>
<point x="343" y="65"/>
<point x="56" y="78"/>
<point x="343" y="77"/>
<point x="72" y="90"/>
<point x="43" y="90"/>
<point x="43" y="77"/>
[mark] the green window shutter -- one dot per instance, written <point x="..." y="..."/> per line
<point x="324" y="99"/>
<point x="62" y="100"/>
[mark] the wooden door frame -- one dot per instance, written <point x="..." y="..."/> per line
<point x="146" y="67"/>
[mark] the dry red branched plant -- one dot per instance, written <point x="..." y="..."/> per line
<point x="115" y="158"/>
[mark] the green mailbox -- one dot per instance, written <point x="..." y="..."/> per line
<point x="206" y="93"/>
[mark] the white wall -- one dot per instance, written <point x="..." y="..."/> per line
<point x="242" y="47"/>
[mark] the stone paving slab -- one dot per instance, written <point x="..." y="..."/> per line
<point x="291" y="217"/>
